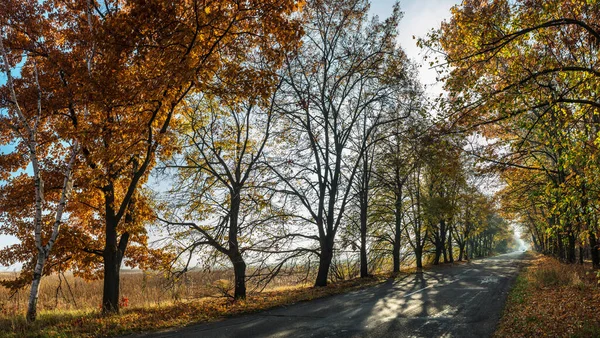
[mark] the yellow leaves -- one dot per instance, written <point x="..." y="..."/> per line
<point x="299" y="5"/>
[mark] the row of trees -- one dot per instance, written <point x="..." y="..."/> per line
<point x="343" y="156"/>
<point x="283" y="131"/>
<point x="525" y="74"/>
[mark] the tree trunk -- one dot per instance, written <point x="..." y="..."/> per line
<point x="594" y="251"/>
<point x="324" y="263"/>
<point x="396" y="254"/>
<point x="113" y="256"/>
<point x="438" y="251"/>
<point x="561" y="250"/>
<point x="461" y="251"/>
<point x="239" y="269"/>
<point x="364" y="269"/>
<point x="419" y="257"/>
<point x="397" y="230"/>
<point x="442" y="242"/>
<point x="571" y="248"/>
<point x="110" y="298"/>
<point x="35" y="285"/>
<point x="450" y="253"/>
<point x="239" y="266"/>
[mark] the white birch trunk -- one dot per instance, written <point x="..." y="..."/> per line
<point x="31" y="139"/>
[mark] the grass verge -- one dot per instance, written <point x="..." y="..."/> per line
<point x="132" y="320"/>
<point x="552" y="299"/>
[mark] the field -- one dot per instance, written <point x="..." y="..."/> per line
<point x="138" y="289"/>
<point x="70" y="306"/>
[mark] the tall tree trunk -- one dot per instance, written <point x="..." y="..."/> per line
<point x="114" y="250"/>
<point x="110" y="298"/>
<point x="35" y="285"/>
<point x="442" y="242"/>
<point x="44" y="251"/>
<point x="396" y="253"/>
<point x="364" y="269"/>
<point x="239" y="266"/>
<point x="571" y="248"/>
<point x="325" y="258"/>
<point x="239" y="270"/>
<point x="450" y="253"/>
<point x="397" y="232"/>
<point x="397" y="222"/>
<point x="438" y="251"/>
<point x="561" y="250"/>
<point x="594" y="251"/>
<point x="419" y="257"/>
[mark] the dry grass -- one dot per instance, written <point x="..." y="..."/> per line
<point x="552" y="299"/>
<point x="150" y="306"/>
<point x="138" y="289"/>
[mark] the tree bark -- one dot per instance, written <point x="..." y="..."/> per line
<point x="239" y="266"/>
<point x="419" y="257"/>
<point x="114" y="251"/>
<point x="450" y="253"/>
<point x="594" y="251"/>
<point x="239" y="270"/>
<point x="35" y="285"/>
<point x="461" y="251"/>
<point x="571" y="248"/>
<point x="442" y="242"/>
<point x="324" y="263"/>
<point x="398" y="230"/>
<point x="364" y="269"/>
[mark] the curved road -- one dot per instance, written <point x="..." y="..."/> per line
<point x="446" y="301"/>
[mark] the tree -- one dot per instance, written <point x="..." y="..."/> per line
<point x="345" y="68"/>
<point x="220" y="179"/>
<point x="397" y="157"/>
<point x="442" y="177"/>
<point x="33" y="129"/>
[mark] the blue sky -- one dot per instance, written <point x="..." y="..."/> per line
<point x="419" y="17"/>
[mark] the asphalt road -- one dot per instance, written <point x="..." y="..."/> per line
<point x="446" y="301"/>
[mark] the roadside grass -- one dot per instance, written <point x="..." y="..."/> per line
<point x="77" y="323"/>
<point x="552" y="299"/>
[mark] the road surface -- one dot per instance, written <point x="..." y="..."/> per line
<point x="446" y="301"/>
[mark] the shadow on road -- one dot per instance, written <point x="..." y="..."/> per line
<point x="463" y="300"/>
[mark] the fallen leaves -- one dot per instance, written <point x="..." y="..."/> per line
<point x="552" y="299"/>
